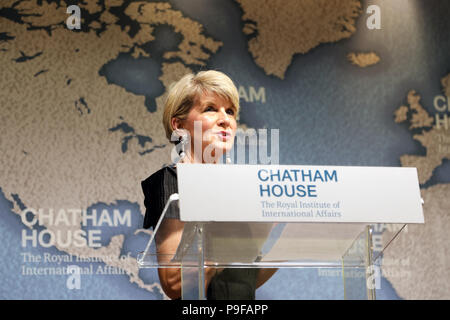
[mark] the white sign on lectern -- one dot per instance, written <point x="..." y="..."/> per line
<point x="290" y="193"/>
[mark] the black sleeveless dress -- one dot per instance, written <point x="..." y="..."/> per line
<point x="231" y="283"/>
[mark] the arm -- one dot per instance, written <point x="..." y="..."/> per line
<point x="167" y="241"/>
<point x="264" y="275"/>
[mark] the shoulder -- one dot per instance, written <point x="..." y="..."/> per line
<point x="157" y="189"/>
<point x="166" y="173"/>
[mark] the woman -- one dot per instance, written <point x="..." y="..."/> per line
<point x="203" y="109"/>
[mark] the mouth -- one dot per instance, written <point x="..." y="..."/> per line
<point x="224" y="135"/>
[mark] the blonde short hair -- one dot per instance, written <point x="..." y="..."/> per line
<point x="183" y="94"/>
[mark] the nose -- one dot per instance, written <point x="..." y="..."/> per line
<point x="224" y="118"/>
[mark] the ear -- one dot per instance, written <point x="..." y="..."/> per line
<point x="176" y="123"/>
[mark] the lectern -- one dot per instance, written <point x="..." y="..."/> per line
<point x="273" y="216"/>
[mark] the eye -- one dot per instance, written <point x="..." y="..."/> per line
<point x="231" y="111"/>
<point x="210" y="108"/>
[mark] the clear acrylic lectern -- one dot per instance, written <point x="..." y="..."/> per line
<point x="347" y="247"/>
<point x="245" y="223"/>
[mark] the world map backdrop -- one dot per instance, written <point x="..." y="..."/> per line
<point x="81" y="110"/>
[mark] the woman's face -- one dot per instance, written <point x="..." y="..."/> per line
<point x="215" y="118"/>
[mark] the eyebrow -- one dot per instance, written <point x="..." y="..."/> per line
<point x="207" y="102"/>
